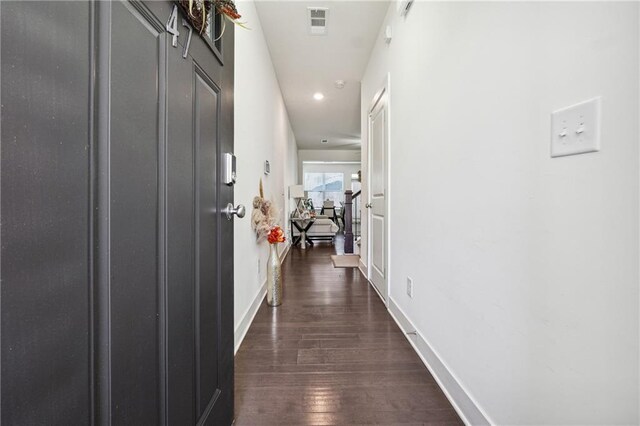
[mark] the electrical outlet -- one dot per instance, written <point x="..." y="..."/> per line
<point x="410" y="287"/>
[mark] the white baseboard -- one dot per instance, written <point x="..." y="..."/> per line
<point x="466" y="407"/>
<point x="362" y="267"/>
<point x="249" y="315"/>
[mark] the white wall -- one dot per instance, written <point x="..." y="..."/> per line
<point x="262" y="132"/>
<point x="326" y="155"/>
<point x="525" y="267"/>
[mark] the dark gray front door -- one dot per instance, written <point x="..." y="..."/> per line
<point x="116" y="264"/>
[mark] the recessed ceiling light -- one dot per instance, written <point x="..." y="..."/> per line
<point x="318" y="96"/>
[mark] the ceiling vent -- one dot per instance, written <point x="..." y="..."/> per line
<point x="318" y="20"/>
<point x="324" y="141"/>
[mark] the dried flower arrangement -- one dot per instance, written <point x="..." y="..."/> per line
<point x="264" y="217"/>
<point x="198" y="10"/>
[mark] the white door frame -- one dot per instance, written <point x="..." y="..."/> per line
<point x="384" y="91"/>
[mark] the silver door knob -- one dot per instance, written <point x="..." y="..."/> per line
<point x="368" y="205"/>
<point x="239" y="211"/>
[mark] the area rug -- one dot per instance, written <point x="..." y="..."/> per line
<point x="345" y="261"/>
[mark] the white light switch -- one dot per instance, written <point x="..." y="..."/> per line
<point x="576" y="129"/>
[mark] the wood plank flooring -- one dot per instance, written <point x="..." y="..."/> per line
<point x="332" y="355"/>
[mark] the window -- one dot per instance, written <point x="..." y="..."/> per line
<point x="214" y="31"/>
<point x="324" y="186"/>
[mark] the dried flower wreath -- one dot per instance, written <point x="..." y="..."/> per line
<point x="198" y="10"/>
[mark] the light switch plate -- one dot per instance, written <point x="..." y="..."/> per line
<point x="576" y="129"/>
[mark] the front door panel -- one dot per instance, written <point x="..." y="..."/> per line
<point x="133" y="224"/>
<point x="116" y="294"/>
<point x="45" y="214"/>
<point x="206" y="118"/>
<point x="181" y="241"/>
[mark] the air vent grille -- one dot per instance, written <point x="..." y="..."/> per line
<point x="318" y="19"/>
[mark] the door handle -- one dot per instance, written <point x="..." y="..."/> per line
<point x="239" y="211"/>
<point x="368" y="205"/>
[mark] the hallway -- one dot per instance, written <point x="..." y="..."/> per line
<point x="331" y="354"/>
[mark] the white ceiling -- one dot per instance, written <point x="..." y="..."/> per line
<point x="307" y="64"/>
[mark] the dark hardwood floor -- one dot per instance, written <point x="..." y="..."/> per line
<point x="332" y="355"/>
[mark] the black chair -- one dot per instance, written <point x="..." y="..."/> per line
<point x="329" y="210"/>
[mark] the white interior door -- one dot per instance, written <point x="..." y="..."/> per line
<point x="378" y="122"/>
